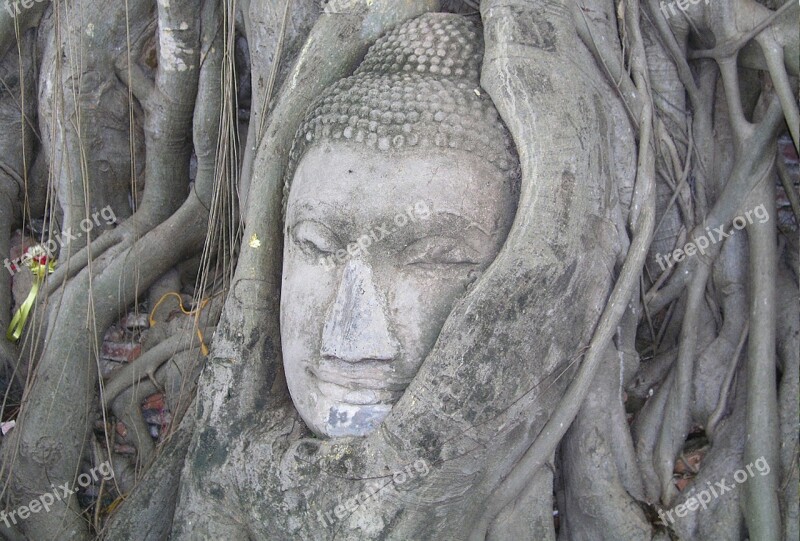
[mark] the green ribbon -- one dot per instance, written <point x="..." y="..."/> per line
<point x="39" y="271"/>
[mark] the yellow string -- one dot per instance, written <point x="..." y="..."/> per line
<point x="113" y="505"/>
<point x="39" y="271"/>
<point x="203" y="347"/>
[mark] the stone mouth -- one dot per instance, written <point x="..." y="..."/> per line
<point x="358" y="397"/>
<point x="374" y="375"/>
<point x="357" y="385"/>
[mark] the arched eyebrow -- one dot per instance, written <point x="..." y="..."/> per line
<point x="327" y="214"/>
<point x="310" y="210"/>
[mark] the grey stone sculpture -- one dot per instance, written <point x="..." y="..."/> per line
<point x="402" y="187"/>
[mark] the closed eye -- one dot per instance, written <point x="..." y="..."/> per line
<point x="438" y="251"/>
<point x="314" y="239"/>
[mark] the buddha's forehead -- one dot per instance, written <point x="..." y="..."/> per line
<point x="338" y="180"/>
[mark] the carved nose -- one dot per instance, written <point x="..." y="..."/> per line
<point x="356" y="328"/>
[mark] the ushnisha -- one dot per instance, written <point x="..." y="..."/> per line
<point x="418" y="86"/>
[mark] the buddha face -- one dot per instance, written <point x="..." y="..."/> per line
<point x="378" y="246"/>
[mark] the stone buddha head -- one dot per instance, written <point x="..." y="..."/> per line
<point x="402" y="186"/>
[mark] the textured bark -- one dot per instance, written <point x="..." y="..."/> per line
<point x="596" y="462"/>
<point x="39" y="453"/>
<point x="147" y="514"/>
<point x="17" y="142"/>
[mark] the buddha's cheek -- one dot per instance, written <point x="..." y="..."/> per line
<point x="305" y="291"/>
<point x="419" y="303"/>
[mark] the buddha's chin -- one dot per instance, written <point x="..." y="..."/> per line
<point x="353" y="419"/>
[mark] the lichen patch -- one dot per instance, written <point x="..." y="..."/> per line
<point x="173" y="52"/>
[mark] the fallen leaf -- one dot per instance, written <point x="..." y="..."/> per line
<point x="7" y="426"/>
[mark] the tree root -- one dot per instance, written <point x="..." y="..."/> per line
<point x="147" y="513"/>
<point x="159" y="249"/>
<point x="127" y="408"/>
<point x="148" y="363"/>
<point x="675" y="425"/>
<point x="788" y="338"/>
<point x="762" y="510"/>
<point x="642" y="226"/>
<point x="598" y="505"/>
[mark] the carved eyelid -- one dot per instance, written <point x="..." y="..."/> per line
<point x="423" y="248"/>
<point x="310" y="231"/>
